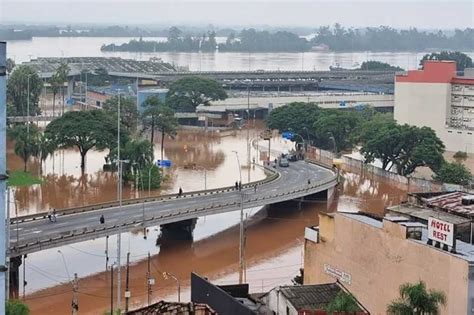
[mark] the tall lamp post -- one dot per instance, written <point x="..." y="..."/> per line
<point x="28" y="108"/>
<point x="241" y="238"/>
<point x="3" y="174"/>
<point x="169" y="274"/>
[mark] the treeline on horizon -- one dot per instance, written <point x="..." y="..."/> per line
<point x="335" y="38"/>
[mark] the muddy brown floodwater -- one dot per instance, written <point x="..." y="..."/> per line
<point x="274" y="235"/>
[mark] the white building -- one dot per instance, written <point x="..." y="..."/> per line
<point x="437" y="98"/>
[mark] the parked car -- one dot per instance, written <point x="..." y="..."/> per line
<point x="284" y="162"/>
<point x="292" y="158"/>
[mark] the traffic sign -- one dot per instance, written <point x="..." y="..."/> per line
<point x="163" y="163"/>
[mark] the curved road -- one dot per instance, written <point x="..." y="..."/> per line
<point x="292" y="183"/>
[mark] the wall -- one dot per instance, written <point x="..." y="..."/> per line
<point x="278" y="303"/>
<point x="422" y="104"/>
<point x="379" y="262"/>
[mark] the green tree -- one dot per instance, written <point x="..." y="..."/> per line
<point x="14" y="307"/>
<point x="453" y="173"/>
<point x="61" y="75"/>
<point x="158" y="116"/>
<point x="149" y="177"/>
<point x="100" y="77"/>
<point x="128" y="111"/>
<point x="26" y="142"/>
<point x="10" y="64"/>
<point x="373" y="65"/>
<point x="45" y="148"/>
<point x="463" y="61"/>
<point x="139" y="154"/>
<point x="55" y="83"/>
<point x="416" y="300"/>
<point x="403" y="146"/>
<point x="337" y="125"/>
<point x="17" y="90"/>
<point x="343" y="302"/>
<point x="186" y="94"/>
<point x="84" y="130"/>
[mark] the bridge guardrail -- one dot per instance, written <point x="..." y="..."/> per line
<point x="103" y="230"/>
<point x="99" y="206"/>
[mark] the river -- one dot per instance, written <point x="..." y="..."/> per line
<point x="24" y="50"/>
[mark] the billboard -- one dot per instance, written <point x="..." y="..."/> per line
<point x="441" y="231"/>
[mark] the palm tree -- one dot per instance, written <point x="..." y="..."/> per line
<point x="45" y="148"/>
<point x="61" y="75"/>
<point x="159" y="116"/>
<point x="416" y="300"/>
<point x="55" y="84"/>
<point x="26" y="143"/>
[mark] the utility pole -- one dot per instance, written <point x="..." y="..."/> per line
<point x="24" y="276"/>
<point x="148" y="280"/>
<point x="111" y="289"/>
<point x="119" y="195"/>
<point x="127" y="293"/>
<point x="75" y="303"/>
<point x="106" y="253"/>
<point x="241" y="229"/>
<point x="7" y="245"/>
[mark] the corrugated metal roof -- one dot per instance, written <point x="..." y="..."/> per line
<point x="310" y="297"/>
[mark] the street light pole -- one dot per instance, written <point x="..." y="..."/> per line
<point x="168" y="274"/>
<point x="28" y="108"/>
<point x="241" y="238"/>
<point x="119" y="195"/>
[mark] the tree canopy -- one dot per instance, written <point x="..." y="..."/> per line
<point x="462" y="60"/>
<point x="402" y="146"/>
<point x="453" y="173"/>
<point x="26" y="141"/>
<point x="84" y="130"/>
<point x="415" y="299"/>
<point x="17" y="91"/>
<point x="15" y="307"/>
<point x="343" y="302"/>
<point x="159" y="116"/>
<point x="128" y="111"/>
<point x="373" y="65"/>
<point x="186" y="94"/>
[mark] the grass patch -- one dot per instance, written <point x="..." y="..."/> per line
<point x="20" y="178"/>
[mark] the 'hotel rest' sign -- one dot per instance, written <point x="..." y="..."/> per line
<point x="441" y="231"/>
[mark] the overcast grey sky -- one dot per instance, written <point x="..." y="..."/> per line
<point x="440" y="14"/>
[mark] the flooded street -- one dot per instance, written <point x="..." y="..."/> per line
<point x="274" y="235"/>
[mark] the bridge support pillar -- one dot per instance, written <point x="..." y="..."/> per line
<point x="15" y="263"/>
<point x="182" y="230"/>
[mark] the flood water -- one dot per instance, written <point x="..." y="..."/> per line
<point x="274" y="235"/>
<point x="24" y="50"/>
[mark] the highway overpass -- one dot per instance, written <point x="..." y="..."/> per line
<point x="32" y="233"/>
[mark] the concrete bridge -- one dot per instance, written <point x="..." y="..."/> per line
<point x="32" y="233"/>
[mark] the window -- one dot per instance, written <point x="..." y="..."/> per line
<point x="287" y="310"/>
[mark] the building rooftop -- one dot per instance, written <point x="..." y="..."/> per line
<point x="311" y="297"/>
<point x="423" y="213"/>
<point x="47" y="66"/>
<point x="364" y="218"/>
<point x="450" y="202"/>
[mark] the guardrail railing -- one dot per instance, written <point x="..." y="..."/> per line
<point x="104" y="205"/>
<point x="102" y="230"/>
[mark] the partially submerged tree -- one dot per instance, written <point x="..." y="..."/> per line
<point x="84" y="130"/>
<point x="26" y="142"/>
<point x="160" y="117"/>
<point x="186" y="94"/>
<point x="128" y="111"/>
<point x="417" y="300"/>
